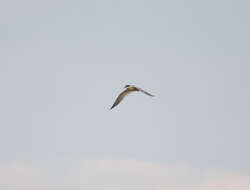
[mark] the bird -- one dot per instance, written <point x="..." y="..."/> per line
<point x="129" y="89"/>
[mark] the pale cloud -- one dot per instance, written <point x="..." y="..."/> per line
<point x="111" y="174"/>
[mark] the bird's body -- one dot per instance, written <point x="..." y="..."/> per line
<point x="129" y="89"/>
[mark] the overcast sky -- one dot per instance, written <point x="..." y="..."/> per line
<point x="63" y="63"/>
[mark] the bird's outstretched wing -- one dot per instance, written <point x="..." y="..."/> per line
<point x="120" y="97"/>
<point x="145" y="92"/>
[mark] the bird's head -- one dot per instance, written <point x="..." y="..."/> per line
<point x="126" y="86"/>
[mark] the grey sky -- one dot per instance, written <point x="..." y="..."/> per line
<point x="63" y="63"/>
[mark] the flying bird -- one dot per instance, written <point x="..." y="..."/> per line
<point x="129" y="89"/>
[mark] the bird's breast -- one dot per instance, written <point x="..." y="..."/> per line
<point x="132" y="88"/>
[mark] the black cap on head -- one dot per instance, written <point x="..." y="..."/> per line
<point x="126" y="86"/>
